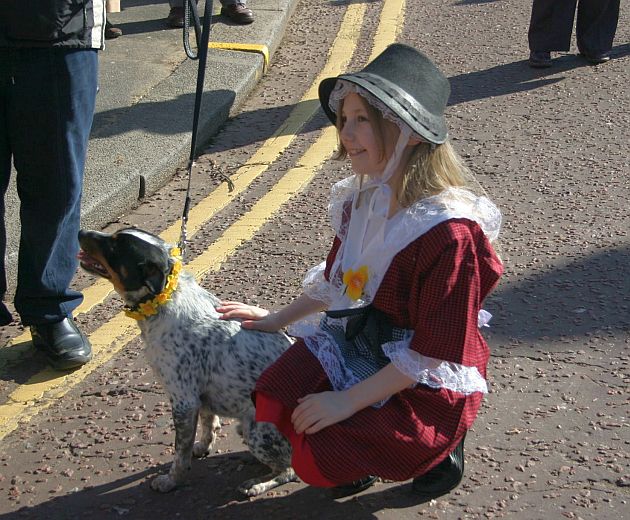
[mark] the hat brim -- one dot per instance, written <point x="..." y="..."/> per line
<point x="426" y="125"/>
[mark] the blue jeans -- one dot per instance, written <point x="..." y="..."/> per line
<point x="47" y="98"/>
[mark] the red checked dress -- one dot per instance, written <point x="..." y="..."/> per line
<point x="435" y="287"/>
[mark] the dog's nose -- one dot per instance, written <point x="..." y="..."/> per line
<point x="87" y="237"/>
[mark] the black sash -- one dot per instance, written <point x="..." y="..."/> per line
<point x="366" y="325"/>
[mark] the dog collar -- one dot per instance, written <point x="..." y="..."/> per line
<point x="149" y="308"/>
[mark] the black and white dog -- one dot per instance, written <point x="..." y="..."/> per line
<point x="207" y="366"/>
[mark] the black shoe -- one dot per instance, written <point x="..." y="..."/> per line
<point x="540" y="59"/>
<point x="62" y="343"/>
<point x="353" y="488"/>
<point x="175" y="18"/>
<point x="112" y="32"/>
<point x="5" y="316"/>
<point x="238" y="13"/>
<point x="596" y="58"/>
<point x="442" y="478"/>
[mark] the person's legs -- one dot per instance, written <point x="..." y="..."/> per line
<point x="175" y="18"/>
<point x="237" y="11"/>
<point x="112" y="32"/>
<point x="49" y="132"/>
<point x="551" y="25"/>
<point x="596" y="26"/>
<point x="5" y="172"/>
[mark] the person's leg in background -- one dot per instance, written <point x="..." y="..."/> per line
<point x="550" y="29"/>
<point x="112" y="32"/>
<point x="5" y="173"/>
<point x="49" y="131"/>
<point x="235" y="10"/>
<point x="595" y="28"/>
<point x="175" y="18"/>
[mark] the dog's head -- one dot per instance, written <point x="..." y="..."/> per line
<point x="136" y="262"/>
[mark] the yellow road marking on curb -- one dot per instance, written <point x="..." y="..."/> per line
<point x="244" y="47"/>
<point x="42" y="389"/>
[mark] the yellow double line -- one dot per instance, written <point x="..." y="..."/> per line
<point x="41" y="390"/>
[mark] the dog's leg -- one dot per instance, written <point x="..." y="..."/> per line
<point x="270" y="447"/>
<point x="210" y="425"/>
<point x="185" y="422"/>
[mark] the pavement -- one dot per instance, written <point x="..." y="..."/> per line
<point x="142" y="126"/>
<point x="551" y="147"/>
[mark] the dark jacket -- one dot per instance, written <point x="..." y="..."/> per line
<point x="52" y="23"/>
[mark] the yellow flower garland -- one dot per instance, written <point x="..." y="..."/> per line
<point x="150" y="308"/>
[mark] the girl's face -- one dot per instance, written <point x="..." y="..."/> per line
<point x="367" y="151"/>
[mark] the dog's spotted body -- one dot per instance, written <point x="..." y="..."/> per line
<point x="207" y="366"/>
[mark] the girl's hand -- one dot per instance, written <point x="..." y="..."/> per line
<point x="252" y="317"/>
<point x="316" y="411"/>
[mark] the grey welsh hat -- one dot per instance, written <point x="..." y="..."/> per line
<point x="407" y="83"/>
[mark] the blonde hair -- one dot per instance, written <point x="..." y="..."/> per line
<point x="430" y="169"/>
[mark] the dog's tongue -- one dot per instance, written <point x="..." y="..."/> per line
<point x="84" y="257"/>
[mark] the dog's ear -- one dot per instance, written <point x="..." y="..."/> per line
<point x="154" y="277"/>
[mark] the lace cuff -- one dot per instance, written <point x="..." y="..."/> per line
<point x="315" y="285"/>
<point x="434" y="373"/>
<point x="483" y="318"/>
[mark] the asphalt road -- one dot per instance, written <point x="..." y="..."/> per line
<point x="549" y="146"/>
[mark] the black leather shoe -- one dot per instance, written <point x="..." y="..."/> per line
<point x="111" y="32"/>
<point x="175" y="18"/>
<point x="540" y="59"/>
<point x="596" y="58"/>
<point x="5" y="316"/>
<point x="62" y="343"/>
<point x="353" y="488"/>
<point x="238" y="13"/>
<point x="442" y="478"/>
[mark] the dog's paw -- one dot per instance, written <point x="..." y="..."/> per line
<point x="255" y="487"/>
<point x="200" y="449"/>
<point x="163" y="483"/>
<point x="251" y="491"/>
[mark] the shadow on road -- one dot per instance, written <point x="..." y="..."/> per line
<point x="517" y="76"/>
<point x="157" y="116"/>
<point x="586" y="297"/>
<point x="496" y="81"/>
<point x="212" y="494"/>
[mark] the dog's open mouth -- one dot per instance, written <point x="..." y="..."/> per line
<point x="91" y="265"/>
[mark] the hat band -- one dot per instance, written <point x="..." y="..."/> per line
<point x="403" y="105"/>
<point x="343" y="88"/>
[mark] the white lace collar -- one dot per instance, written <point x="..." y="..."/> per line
<point x="359" y="268"/>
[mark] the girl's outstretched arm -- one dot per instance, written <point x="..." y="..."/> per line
<point x="316" y="411"/>
<point x="261" y="319"/>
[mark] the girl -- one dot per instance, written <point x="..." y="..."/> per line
<point x="389" y="380"/>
